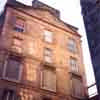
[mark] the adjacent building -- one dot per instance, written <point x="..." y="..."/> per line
<point x="40" y="55"/>
<point x="91" y="16"/>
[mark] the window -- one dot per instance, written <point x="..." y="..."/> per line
<point x="19" y="25"/>
<point x="16" y="45"/>
<point x="48" y="55"/>
<point x="74" y="65"/>
<point x="48" y="36"/>
<point x="49" y="79"/>
<point x="12" y="68"/>
<point x="9" y="95"/>
<point x="77" y="87"/>
<point x="72" y="45"/>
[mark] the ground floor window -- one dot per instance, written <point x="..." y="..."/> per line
<point x="9" y="95"/>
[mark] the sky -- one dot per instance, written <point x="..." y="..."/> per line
<point x="71" y="13"/>
<point x="2" y="3"/>
<point x="27" y="2"/>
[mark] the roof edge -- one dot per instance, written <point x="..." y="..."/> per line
<point x="39" y="5"/>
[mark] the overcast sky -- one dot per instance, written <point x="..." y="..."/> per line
<point x="71" y="13"/>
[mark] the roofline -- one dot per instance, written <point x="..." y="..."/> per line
<point x="74" y="29"/>
<point x="36" y="4"/>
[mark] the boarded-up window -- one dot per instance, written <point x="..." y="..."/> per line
<point x="13" y="68"/>
<point x="48" y="36"/>
<point x="19" y="25"/>
<point x="48" y="55"/>
<point x="77" y="87"/>
<point x="49" y="79"/>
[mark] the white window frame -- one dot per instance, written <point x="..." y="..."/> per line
<point x="48" y="55"/>
<point x="74" y="65"/>
<point x="72" y="46"/>
<point x="48" y="36"/>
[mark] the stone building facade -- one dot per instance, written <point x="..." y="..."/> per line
<point x="40" y="55"/>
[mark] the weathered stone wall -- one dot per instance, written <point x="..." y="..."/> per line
<point x="30" y="46"/>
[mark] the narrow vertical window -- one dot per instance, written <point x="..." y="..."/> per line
<point x="74" y="65"/>
<point x="48" y="36"/>
<point x="16" y="45"/>
<point x="72" y="45"/>
<point x="48" y="55"/>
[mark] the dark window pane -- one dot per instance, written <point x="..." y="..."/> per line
<point x="9" y="95"/>
<point x="18" y="29"/>
<point x="1" y="69"/>
<point x="13" y="67"/>
<point x="19" y="25"/>
<point x="46" y="98"/>
<point x="1" y="93"/>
